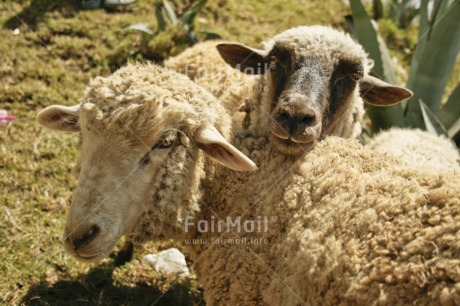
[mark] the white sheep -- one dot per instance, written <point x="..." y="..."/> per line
<point x="342" y="224"/>
<point x="144" y="115"/>
<point x="311" y="82"/>
<point x="418" y="148"/>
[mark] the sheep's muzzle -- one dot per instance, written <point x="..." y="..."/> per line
<point x="294" y="126"/>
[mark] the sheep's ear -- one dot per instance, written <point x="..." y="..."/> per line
<point x="60" y="118"/>
<point x="219" y="149"/>
<point x="380" y="93"/>
<point x="245" y="59"/>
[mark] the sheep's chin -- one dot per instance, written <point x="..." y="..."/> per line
<point x="289" y="147"/>
<point x="90" y="259"/>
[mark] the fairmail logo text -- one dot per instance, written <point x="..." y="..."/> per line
<point x="229" y="224"/>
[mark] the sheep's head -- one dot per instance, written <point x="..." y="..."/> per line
<point x="141" y="141"/>
<point x="313" y="75"/>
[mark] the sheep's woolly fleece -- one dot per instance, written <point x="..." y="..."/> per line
<point x="347" y="226"/>
<point x="135" y="93"/>
<point x="203" y="64"/>
<point x="418" y="148"/>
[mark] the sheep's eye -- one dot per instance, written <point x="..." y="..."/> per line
<point x="145" y="160"/>
<point x="165" y="143"/>
<point x="273" y="61"/>
<point x="348" y="79"/>
<point x="355" y="77"/>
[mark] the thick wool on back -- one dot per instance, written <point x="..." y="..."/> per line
<point x="203" y="64"/>
<point x="346" y="226"/>
<point x="418" y="148"/>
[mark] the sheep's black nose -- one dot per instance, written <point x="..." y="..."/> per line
<point x="305" y="117"/>
<point x="87" y="237"/>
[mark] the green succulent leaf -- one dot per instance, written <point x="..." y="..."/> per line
<point x="190" y="14"/>
<point x="210" y="35"/>
<point x="435" y="64"/>
<point x="450" y="113"/>
<point x="170" y="12"/>
<point x="141" y="27"/>
<point x="440" y="8"/>
<point x="351" y="26"/>
<point x="377" y="7"/>
<point x="367" y="36"/>
<point x="432" y="124"/>
<point x="422" y="39"/>
<point x="161" y="22"/>
<point x="454" y="130"/>
<point x="190" y="34"/>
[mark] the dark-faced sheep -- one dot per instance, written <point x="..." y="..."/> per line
<point x="311" y="82"/>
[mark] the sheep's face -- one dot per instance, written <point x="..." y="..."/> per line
<point x="313" y="75"/>
<point x="122" y="170"/>
<point x="117" y="167"/>
<point x="309" y="93"/>
<point x="138" y="159"/>
<point x="115" y="173"/>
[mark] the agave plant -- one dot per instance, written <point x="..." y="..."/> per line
<point x="401" y="12"/>
<point x="432" y="64"/>
<point x="185" y="21"/>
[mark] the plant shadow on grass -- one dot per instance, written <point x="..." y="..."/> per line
<point x="97" y="287"/>
<point x="34" y="13"/>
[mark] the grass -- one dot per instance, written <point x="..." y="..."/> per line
<point x="57" y="48"/>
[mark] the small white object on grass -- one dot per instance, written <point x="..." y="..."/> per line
<point x="170" y="261"/>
